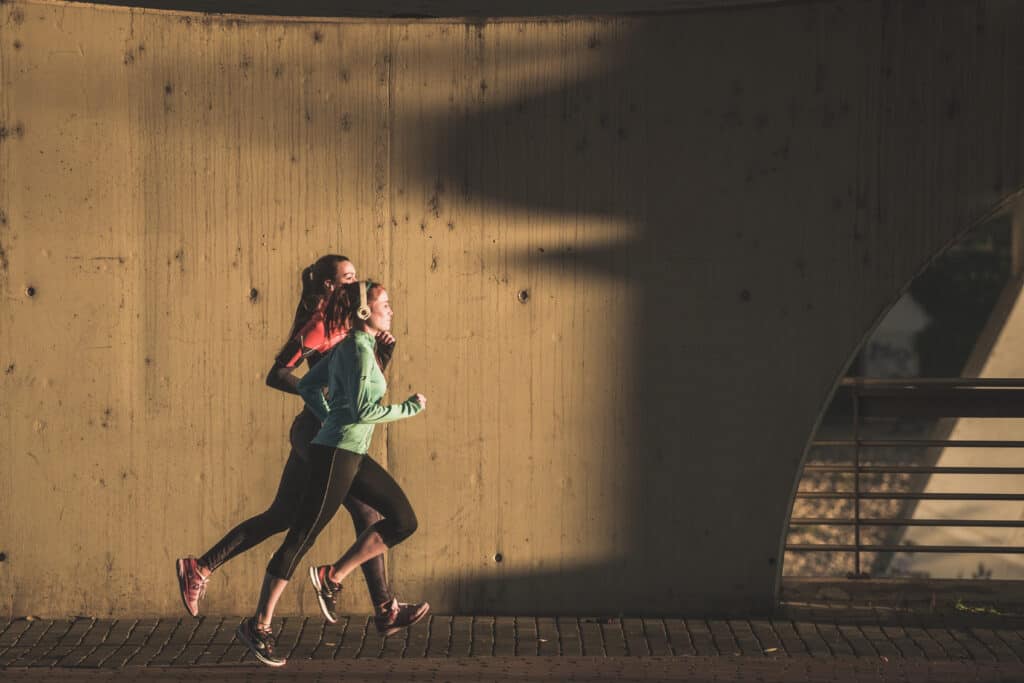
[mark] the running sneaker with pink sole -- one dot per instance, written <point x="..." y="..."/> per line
<point x="191" y="583"/>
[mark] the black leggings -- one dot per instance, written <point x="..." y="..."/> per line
<point x="336" y="475"/>
<point x="282" y="512"/>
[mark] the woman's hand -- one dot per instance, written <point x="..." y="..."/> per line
<point x="421" y="399"/>
<point x="385" y="338"/>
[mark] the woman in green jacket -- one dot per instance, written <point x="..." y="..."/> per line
<point x="340" y="467"/>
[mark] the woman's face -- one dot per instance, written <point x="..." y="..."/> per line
<point x="345" y="274"/>
<point x="380" y="312"/>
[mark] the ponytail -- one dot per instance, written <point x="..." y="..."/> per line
<point x="313" y="292"/>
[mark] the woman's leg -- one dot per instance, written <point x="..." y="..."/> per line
<point x="194" y="573"/>
<point x="331" y="475"/>
<point x="375" y="487"/>
<point x="364" y="516"/>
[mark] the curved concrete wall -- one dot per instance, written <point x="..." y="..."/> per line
<point x="707" y="210"/>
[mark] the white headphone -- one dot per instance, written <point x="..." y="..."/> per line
<point x="363" y="312"/>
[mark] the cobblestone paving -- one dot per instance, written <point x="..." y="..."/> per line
<point x="804" y="642"/>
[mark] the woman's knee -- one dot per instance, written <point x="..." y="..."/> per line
<point x="399" y="528"/>
<point x="363" y="515"/>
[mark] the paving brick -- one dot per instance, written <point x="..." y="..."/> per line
<point x="439" y="637"/>
<point x="462" y="636"/>
<point x="948" y="643"/>
<point x="767" y="637"/>
<point x="504" y="637"/>
<point x="745" y="638"/>
<point x="808" y="633"/>
<point x="92" y="639"/>
<point x="36" y="646"/>
<point x="858" y="642"/>
<point x="791" y="641"/>
<point x="680" y="640"/>
<point x="354" y="638"/>
<point x="568" y="635"/>
<point x="994" y="644"/>
<point x="975" y="649"/>
<point x="549" y="640"/>
<point x="482" y="636"/>
<point x="700" y="636"/>
<point x="419" y="636"/>
<point x="656" y="637"/>
<point x="156" y="641"/>
<point x="634" y="637"/>
<point x="526" y="637"/>
<point x="1013" y="640"/>
<point x="725" y="640"/>
<point x="903" y="642"/>
<point x="883" y="646"/>
<point x="591" y="639"/>
<point x="13" y="632"/>
<point x="175" y="644"/>
<point x="36" y="630"/>
<point x="132" y="644"/>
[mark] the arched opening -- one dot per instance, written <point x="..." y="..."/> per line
<point x="908" y="475"/>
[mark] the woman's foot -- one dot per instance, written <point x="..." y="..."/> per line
<point x="393" y="616"/>
<point x="327" y="591"/>
<point x="260" y="641"/>
<point x="192" y="583"/>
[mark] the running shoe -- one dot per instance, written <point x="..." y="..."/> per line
<point x="327" y="591"/>
<point x="260" y="642"/>
<point x="191" y="583"/>
<point x="393" y="616"/>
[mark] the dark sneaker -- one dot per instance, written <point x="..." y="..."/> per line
<point x="259" y="641"/>
<point x="191" y="583"/>
<point x="393" y="616"/>
<point x="327" y="591"/>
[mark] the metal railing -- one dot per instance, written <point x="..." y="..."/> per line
<point x="914" y="398"/>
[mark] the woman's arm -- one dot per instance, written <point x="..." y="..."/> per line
<point x="311" y="337"/>
<point x="281" y="375"/>
<point x="372" y="412"/>
<point x="311" y="387"/>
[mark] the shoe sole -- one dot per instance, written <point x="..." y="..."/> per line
<point x="182" y="586"/>
<point x="315" y="580"/>
<point x="424" y="611"/>
<point x="244" y="637"/>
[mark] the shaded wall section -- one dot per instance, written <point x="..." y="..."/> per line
<point x="629" y="259"/>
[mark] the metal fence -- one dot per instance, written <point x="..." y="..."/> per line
<point x="888" y="399"/>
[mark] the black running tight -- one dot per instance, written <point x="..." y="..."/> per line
<point x="283" y="510"/>
<point x="336" y="475"/>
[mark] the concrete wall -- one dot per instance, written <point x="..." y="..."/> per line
<point x="708" y="211"/>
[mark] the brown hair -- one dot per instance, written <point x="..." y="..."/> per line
<point x="342" y="304"/>
<point x="313" y="291"/>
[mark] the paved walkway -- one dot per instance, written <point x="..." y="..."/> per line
<point x="805" y="643"/>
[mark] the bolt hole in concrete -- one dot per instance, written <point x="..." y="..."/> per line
<point x="254" y="294"/>
<point x="3" y="557"/>
<point x="524" y="296"/>
<point x="30" y="291"/>
<point x="498" y="557"/>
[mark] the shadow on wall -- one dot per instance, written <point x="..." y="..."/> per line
<point x="759" y="255"/>
<point x="722" y="166"/>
